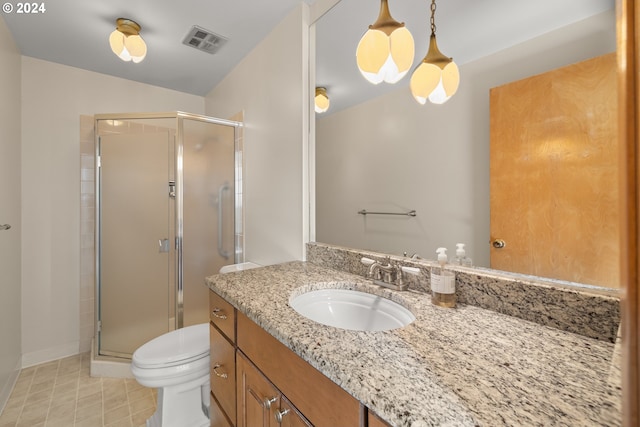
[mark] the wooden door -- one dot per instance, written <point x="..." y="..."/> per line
<point x="554" y="174"/>
<point x="628" y="25"/>
<point x="258" y="399"/>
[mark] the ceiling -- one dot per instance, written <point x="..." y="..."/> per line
<point x="75" y="33"/>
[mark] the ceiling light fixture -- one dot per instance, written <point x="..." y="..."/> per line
<point x="437" y="77"/>
<point x="385" y="52"/>
<point x="322" y="100"/>
<point x="126" y="42"/>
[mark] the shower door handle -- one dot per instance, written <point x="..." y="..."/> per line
<point x="163" y="245"/>
<point x="223" y="253"/>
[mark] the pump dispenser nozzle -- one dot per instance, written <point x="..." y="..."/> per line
<point x="461" y="256"/>
<point x="442" y="256"/>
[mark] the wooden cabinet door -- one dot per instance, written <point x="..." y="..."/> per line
<point x="258" y="399"/>
<point x="374" y="421"/>
<point x="290" y="416"/>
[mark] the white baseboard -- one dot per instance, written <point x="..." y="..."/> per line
<point x="6" y="390"/>
<point x="49" y="354"/>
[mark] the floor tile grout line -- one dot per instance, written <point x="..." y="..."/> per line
<point x="77" y="370"/>
<point x="24" y="400"/>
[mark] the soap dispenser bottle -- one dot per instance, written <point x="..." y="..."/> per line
<point x="461" y="256"/>
<point x="443" y="282"/>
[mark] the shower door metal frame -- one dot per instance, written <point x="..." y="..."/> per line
<point x="179" y="116"/>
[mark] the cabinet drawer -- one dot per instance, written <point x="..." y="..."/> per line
<point x="223" y="373"/>
<point x="223" y="315"/>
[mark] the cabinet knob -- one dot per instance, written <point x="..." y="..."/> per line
<point x="280" y="414"/>
<point x="218" y="374"/>
<point x="267" y="402"/>
<point x="215" y="312"/>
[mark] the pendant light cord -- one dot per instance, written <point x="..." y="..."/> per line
<point x="433" y="19"/>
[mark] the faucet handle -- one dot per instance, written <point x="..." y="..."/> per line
<point x="410" y="270"/>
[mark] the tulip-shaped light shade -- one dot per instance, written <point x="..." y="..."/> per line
<point x="436" y="78"/>
<point x="125" y="41"/>
<point x="321" y="100"/>
<point x="386" y="50"/>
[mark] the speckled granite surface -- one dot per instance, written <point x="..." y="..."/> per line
<point x="451" y="367"/>
<point x="586" y="310"/>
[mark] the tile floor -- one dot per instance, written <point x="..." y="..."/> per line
<point x="62" y="394"/>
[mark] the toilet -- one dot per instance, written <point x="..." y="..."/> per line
<point x="177" y="364"/>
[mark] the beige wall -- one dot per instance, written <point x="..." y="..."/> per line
<point x="431" y="158"/>
<point x="270" y="86"/>
<point x="10" y="348"/>
<point x="53" y="98"/>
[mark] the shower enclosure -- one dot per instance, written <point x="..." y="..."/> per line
<point x="167" y="215"/>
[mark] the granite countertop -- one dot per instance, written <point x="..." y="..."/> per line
<point x="451" y="367"/>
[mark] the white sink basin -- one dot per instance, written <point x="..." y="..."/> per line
<point x="348" y="309"/>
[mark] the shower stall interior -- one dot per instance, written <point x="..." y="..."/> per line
<point x="168" y="214"/>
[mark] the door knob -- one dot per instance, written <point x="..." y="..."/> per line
<point x="498" y="243"/>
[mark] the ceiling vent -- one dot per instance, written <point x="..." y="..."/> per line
<point x="204" y="40"/>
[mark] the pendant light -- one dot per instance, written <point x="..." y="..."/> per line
<point x="126" y="42"/>
<point x="321" y="100"/>
<point x="437" y="77"/>
<point x="385" y="52"/>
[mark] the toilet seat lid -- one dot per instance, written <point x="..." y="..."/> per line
<point x="175" y="347"/>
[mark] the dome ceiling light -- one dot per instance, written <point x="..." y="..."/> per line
<point x="322" y="100"/>
<point x="126" y="42"/>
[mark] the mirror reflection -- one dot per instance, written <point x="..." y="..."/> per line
<point x="380" y="151"/>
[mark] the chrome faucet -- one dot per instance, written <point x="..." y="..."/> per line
<point x="388" y="275"/>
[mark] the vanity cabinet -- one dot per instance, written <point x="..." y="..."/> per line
<point x="260" y="403"/>
<point x="321" y="400"/>
<point x="254" y="377"/>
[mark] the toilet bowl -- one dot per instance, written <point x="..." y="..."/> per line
<point x="177" y="364"/>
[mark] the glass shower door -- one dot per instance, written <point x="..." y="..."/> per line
<point x="208" y="206"/>
<point x="137" y="243"/>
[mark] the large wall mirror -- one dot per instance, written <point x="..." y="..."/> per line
<point x="378" y="150"/>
